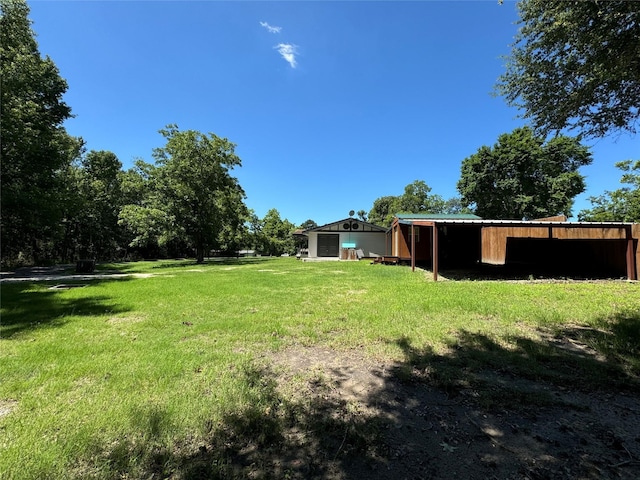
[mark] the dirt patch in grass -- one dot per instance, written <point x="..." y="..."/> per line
<point x="7" y="406"/>
<point x="126" y="319"/>
<point x="355" y="417"/>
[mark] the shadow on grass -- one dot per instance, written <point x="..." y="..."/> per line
<point x="271" y="437"/>
<point x="508" y="407"/>
<point x="617" y="339"/>
<point x="27" y="306"/>
<point x="215" y="261"/>
<point x="486" y="272"/>
<point x="520" y="371"/>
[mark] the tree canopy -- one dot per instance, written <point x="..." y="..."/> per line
<point x="621" y="205"/>
<point x="417" y="198"/>
<point x="307" y="224"/>
<point x="576" y="65"/>
<point x="93" y="200"/>
<point x="521" y="176"/>
<point x="277" y="234"/>
<point x="272" y="235"/>
<point x="35" y="148"/>
<point x="191" y="194"/>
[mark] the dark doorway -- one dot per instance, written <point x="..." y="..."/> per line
<point x="328" y="245"/>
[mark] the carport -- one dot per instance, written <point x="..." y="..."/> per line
<point x="558" y="245"/>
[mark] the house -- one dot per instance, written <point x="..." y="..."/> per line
<point x="553" y="245"/>
<point x="347" y="239"/>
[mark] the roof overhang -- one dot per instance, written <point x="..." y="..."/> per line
<point x="511" y="223"/>
<point x="347" y="225"/>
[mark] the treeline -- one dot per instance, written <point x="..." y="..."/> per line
<point x="185" y="205"/>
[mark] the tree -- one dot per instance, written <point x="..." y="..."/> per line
<point x="234" y="233"/>
<point x="576" y="65"/>
<point x="147" y="225"/>
<point x="277" y="234"/>
<point x="383" y="210"/>
<point x="101" y="177"/>
<point x="93" y="202"/>
<point x="454" y="206"/>
<point x="308" y="224"/>
<point x="522" y="177"/>
<point x="191" y="194"/>
<point x="35" y="148"/>
<point x="302" y="241"/>
<point x="362" y="215"/>
<point x="622" y="205"/>
<point x="415" y="199"/>
<point x="195" y="185"/>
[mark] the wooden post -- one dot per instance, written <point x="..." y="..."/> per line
<point x="631" y="264"/>
<point x="386" y="241"/>
<point x="413" y="247"/>
<point x="434" y="259"/>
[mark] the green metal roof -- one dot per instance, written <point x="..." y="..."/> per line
<point x="437" y="216"/>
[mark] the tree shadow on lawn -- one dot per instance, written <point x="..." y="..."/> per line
<point x="26" y="308"/>
<point x="551" y="405"/>
<point x="576" y="357"/>
<point x="214" y="261"/>
<point x="526" y="272"/>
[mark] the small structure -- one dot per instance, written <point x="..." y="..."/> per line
<point x="347" y="239"/>
<point x="552" y="245"/>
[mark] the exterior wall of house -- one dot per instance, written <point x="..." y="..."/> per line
<point x="371" y="243"/>
<point x="313" y="244"/>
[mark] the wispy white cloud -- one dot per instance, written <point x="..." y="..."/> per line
<point x="288" y="52"/>
<point x="271" y="29"/>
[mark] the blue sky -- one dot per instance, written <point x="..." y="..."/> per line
<point x="331" y="104"/>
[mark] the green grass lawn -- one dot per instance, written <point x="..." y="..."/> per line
<point x="123" y="378"/>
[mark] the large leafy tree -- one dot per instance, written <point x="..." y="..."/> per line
<point x="521" y="176"/>
<point x="383" y="210"/>
<point x="621" y="205"/>
<point x="189" y="194"/>
<point x="576" y="64"/>
<point x="417" y="198"/>
<point x="196" y="187"/>
<point x="35" y="148"/>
